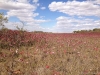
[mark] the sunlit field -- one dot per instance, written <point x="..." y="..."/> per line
<point x="24" y="53"/>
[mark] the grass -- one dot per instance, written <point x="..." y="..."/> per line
<point x="59" y="54"/>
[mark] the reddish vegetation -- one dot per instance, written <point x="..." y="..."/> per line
<point x="28" y="53"/>
<point x="14" y="38"/>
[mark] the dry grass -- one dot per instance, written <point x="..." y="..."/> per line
<point x="62" y="54"/>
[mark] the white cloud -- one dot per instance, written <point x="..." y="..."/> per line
<point x="96" y="1"/>
<point x="43" y="8"/>
<point x="69" y="24"/>
<point x="20" y="10"/>
<point x="35" y="1"/>
<point x="85" y="8"/>
<point x="13" y="25"/>
<point x="16" y="5"/>
<point x="42" y="17"/>
<point x="23" y="10"/>
<point x="28" y="27"/>
<point x="73" y="8"/>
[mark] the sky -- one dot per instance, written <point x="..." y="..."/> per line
<point x="57" y="16"/>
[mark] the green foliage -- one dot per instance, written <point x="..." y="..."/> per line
<point x="96" y="30"/>
<point x="85" y="31"/>
<point x="3" y="20"/>
<point x="38" y="31"/>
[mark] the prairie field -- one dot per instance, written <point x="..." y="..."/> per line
<point x="28" y="53"/>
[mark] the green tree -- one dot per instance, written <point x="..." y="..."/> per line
<point x="3" y="20"/>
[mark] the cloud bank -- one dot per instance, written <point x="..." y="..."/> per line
<point x="85" y="8"/>
<point x="69" y="24"/>
<point x="79" y="12"/>
<point x="23" y="10"/>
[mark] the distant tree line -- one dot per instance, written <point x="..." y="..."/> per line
<point x="38" y="32"/>
<point x="84" y="31"/>
<point x="41" y="32"/>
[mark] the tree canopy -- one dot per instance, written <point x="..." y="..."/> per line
<point x="3" y="20"/>
<point x="84" y="31"/>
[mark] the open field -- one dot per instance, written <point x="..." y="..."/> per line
<point x="50" y="54"/>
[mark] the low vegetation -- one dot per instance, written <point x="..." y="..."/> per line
<point x="24" y="53"/>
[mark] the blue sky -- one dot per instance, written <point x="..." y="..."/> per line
<point x="63" y="16"/>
